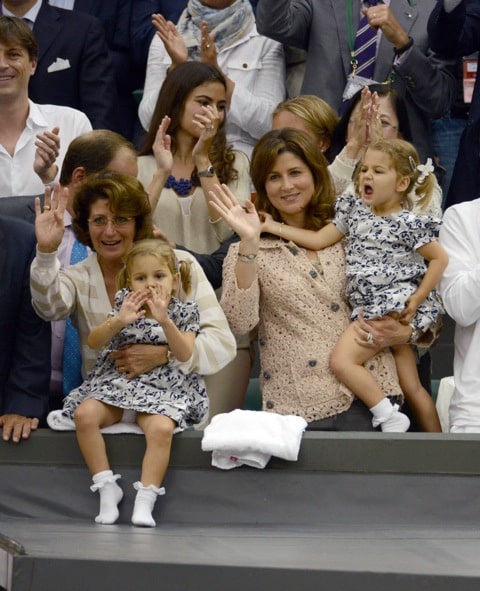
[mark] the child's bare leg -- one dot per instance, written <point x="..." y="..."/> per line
<point x="89" y="418"/>
<point x="418" y="398"/>
<point x="158" y="431"/>
<point x="346" y="363"/>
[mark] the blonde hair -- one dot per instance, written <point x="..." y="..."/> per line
<point x="164" y="253"/>
<point x="405" y="161"/>
<point x="318" y="115"/>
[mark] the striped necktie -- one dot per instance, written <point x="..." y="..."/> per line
<point x="365" y="47"/>
<point x="72" y="356"/>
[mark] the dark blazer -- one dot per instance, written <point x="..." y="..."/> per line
<point x="454" y="35"/>
<point x="212" y="264"/>
<point x="22" y="207"/>
<point x="142" y="28"/>
<point x="115" y="17"/>
<point x="89" y="83"/>
<point x="26" y="339"/>
<point x="320" y="28"/>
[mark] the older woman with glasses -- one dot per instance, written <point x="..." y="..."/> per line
<point x="111" y="212"/>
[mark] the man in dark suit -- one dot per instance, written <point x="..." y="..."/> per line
<point x="25" y="349"/>
<point x="326" y="30"/>
<point x="116" y="18"/>
<point x="454" y="34"/>
<point x="74" y="65"/>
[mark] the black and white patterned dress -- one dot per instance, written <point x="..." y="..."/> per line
<point x="383" y="267"/>
<point x="165" y="390"/>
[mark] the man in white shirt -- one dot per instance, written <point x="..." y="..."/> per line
<point x="460" y="289"/>
<point x="25" y="125"/>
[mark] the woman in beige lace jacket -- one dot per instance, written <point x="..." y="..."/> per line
<point x="296" y="296"/>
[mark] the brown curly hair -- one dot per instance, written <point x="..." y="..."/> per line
<point x="125" y="195"/>
<point x="175" y="90"/>
<point x="274" y="143"/>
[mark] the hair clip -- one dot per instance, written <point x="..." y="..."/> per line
<point x="413" y="164"/>
<point x="424" y="170"/>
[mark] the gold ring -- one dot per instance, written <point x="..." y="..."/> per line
<point x="210" y="127"/>
<point x="207" y="45"/>
<point x="46" y="208"/>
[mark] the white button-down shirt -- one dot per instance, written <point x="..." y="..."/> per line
<point x="17" y="176"/>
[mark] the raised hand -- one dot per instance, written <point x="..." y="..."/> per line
<point x="157" y="301"/>
<point x="132" y="307"/>
<point x="244" y="221"/>
<point x="173" y="41"/>
<point x="48" y="148"/>
<point x="49" y="226"/>
<point x="162" y="147"/>
<point x="207" y="48"/>
<point x="208" y="122"/>
<point x="381" y="17"/>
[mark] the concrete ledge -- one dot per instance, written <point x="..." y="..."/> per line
<point x="356" y="511"/>
<point x="405" y="453"/>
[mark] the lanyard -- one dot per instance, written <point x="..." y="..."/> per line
<point x="350" y="31"/>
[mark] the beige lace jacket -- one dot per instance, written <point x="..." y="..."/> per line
<point x="301" y="312"/>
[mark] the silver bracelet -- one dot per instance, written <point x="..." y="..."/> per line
<point x="247" y="258"/>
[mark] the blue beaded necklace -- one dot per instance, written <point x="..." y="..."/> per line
<point x="180" y="186"/>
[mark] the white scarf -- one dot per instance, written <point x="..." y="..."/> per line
<point x="228" y="25"/>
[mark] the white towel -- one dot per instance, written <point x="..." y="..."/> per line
<point x="249" y="437"/>
<point x="59" y="422"/>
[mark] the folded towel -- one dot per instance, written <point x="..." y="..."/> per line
<point x="59" y="422"/>
<point x="248" y="437"/>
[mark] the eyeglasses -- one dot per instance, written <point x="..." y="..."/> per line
<point x="101" y="221"/>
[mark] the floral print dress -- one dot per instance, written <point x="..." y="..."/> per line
<point x="164" y="390"/>
<point x="383" y="267"/>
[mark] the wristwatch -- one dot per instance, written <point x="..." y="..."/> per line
<point x="208" y="172"/>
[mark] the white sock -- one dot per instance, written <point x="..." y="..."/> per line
<point x="144" y="502"/>
<point x="388" y="416"/>
<point x="110" y="496"/>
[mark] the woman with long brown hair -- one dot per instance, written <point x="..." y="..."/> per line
<point x="190" y="117"/>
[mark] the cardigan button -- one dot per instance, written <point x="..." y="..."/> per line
<point x="313" y="274"/>
<point x="335" y="307"/>
<point x="312" y="362"/>
<point x="261" y="342"/>
<point x="269" y="404"/>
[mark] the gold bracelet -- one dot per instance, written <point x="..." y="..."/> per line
<point x="108" y="322"/>
<point x="280" y="229"/>
<point x="247" y="258"/>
